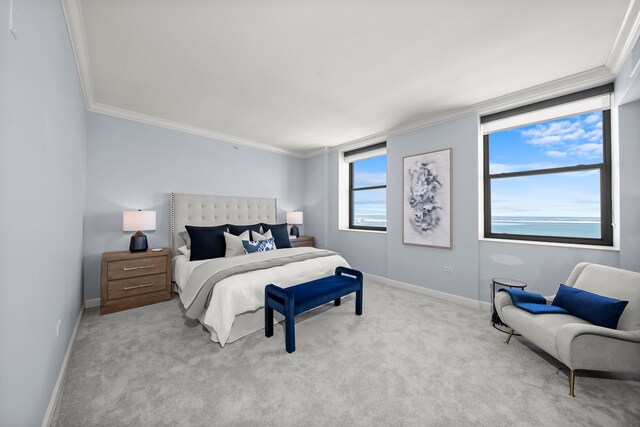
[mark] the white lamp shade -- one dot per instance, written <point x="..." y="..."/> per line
<point x="138" y="220"/>
<point x="294" y="218"/>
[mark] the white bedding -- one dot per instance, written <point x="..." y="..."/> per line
<point x="244" y="292"/>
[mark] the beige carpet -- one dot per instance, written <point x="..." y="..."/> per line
<point x="409" y="360"/>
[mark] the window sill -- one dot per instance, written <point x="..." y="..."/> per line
<point x="362" y="231"/>
<point x="561" y="245"/>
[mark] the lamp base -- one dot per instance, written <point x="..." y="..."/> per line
<point x="295" y="231"/>
<point x="138" y="242"/>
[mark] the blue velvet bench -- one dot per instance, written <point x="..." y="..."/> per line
<point x="297" y="299"/>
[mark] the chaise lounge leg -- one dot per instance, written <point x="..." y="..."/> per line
<point x="572" y="383"/>
<point x="509" y="337"/>
<point x="359" y="303"/>
<point x="336" y="301"/>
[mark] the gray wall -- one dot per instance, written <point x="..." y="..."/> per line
<point x="42" y="188"/>
<point x="629" y="121"/>
<point x="136" y="166"/>
<point x="364" y="251"/>
<point x="424" y="266"/>
<point x="475" y="262"/>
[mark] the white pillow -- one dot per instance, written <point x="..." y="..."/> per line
<point x="234" y="244"/>
<point x="184" y="250"/>
<point x="257" y="237"/>
<point x="186" y="238"/>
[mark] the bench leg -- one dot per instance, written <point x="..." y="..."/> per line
<point x="290" y="331"/>
<point x="268" y="321"/>
<point x="336" y="301"/>
<point x="290" y="327"/>
<point x="359" y="302"/>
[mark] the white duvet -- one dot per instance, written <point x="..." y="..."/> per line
<point x="244" y="292"/>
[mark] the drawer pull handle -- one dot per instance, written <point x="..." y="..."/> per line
<point x="138" y="268"/>
<point x="126" y="288"/>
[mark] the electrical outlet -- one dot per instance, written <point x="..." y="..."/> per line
<point x="58" y="327"/>
<point x="448" y="269"/>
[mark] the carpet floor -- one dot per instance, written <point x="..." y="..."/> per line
<point x="409" y="360"/>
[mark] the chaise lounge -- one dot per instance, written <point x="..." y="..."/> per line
<point x="576" y="342"/>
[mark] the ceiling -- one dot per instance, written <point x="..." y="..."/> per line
<point x="298" y="76"/>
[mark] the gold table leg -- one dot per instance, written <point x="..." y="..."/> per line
<point x="509" y="337"/>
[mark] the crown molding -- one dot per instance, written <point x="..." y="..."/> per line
<point x="181" y="127"/>
<point x="72" y="10"/>
<point x="563" y="86"/>
<point x="627" y="35"/>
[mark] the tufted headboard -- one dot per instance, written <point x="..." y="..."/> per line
<point x="197" y="209"/>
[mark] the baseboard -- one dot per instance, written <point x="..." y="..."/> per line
<point x="91" y="303"/>
<point x="467" y="302"/>
<point x="55" y="396"/>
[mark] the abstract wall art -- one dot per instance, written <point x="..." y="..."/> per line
<point x="427" y="199"/>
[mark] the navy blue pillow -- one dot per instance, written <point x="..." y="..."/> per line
<point x="594" y="308"/>
<point x="206" y="242"/>
<point x="237" y="230"/>
<point x="280" y="234"/>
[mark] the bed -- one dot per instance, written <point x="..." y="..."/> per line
<point x="227" y="294"/>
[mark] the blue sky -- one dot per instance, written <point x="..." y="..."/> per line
<point x="368" y="173"/>
<point x="556" y="143"/>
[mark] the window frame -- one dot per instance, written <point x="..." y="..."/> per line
<point x="606" y="195"/>
<point x="352" y="198"/>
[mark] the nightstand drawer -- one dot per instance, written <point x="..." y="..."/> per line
<point x="136" y="267"/>
<point x="303" y="241"/>
<point x="137" y="286"/>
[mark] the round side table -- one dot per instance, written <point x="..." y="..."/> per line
<point x="498" y="282"/>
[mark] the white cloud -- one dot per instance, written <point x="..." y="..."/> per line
<point x="370" y="179"/>
<point x="593" y="118"/>
<point x="590" y="150"/>
<point x="559" y="139"/>
<point x="496" y="168"/>
<point x="556" y="154"/>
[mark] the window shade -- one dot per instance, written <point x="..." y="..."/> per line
<point x="596" y="99"/>
<point x="365" y="152"/>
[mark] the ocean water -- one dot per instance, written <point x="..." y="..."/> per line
<point x="370" y="220"/>
<point x="588" y="227"/>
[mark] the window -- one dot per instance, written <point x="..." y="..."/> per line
<point x="547" y="173"/>
<point x="368" y="188"/>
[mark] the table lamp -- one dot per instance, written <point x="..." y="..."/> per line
<point x="137" y="221"/>
<point x="295" y="219"/>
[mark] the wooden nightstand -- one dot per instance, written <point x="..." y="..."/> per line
<point x="134" y="279"/>
<point x="303" y="241"/>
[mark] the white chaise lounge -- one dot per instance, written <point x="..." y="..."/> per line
<point x="576" y="342"/>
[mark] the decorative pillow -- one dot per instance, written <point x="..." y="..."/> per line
<point x="184" y="250"/>
<point x="596" y="309"/>
<point x="186" y="238"/>
<point x="237" y="230"/>
<point x="206" y="242"/>
<point x="258" y="237"/>
<point x="261" y="246"/>
<point x="280" y="234"/>
<point x="234" y="244"/>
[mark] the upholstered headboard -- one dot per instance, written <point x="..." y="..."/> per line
<point x="197" y="209"/>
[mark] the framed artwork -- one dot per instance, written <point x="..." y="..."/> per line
<point x="427" y="198"/>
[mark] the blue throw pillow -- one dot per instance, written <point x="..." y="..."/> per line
<point x="519" y="296"/>
<point x="535" y="308"/>
<point x="596" y="309"/>
<point x="259" y="246"/>
<point x="280" y="234"/>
